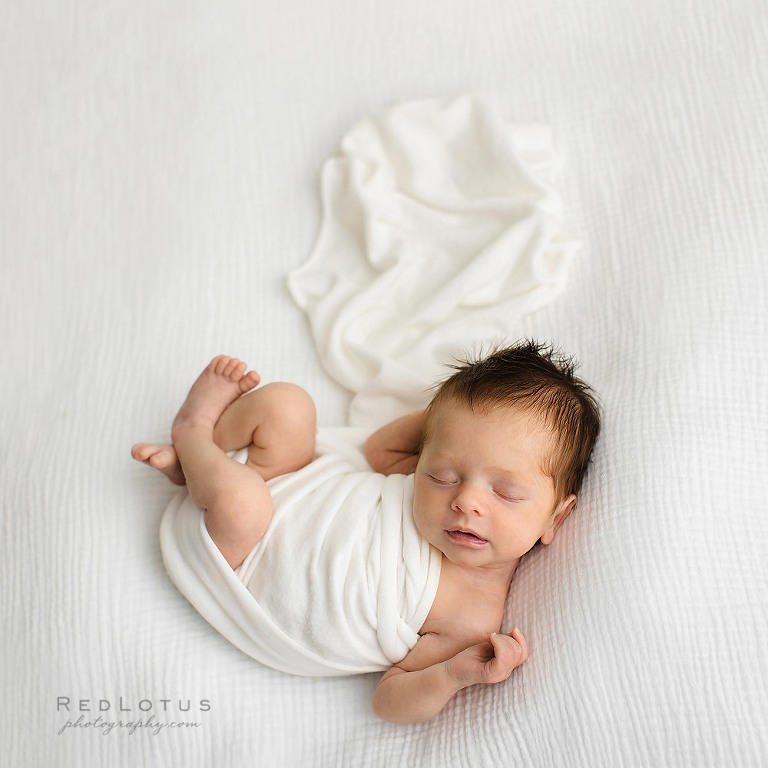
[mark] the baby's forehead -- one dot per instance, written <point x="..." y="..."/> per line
<point x="521" y="413"/>
<point x="517" y="418"/>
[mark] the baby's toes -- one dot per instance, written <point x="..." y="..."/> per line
<point x="218" y="364"/>
<point x="249" y="381"/>
<point x="237" y="372"/>
<point x="227" y="366"/>
<point x="162" y="459"/>
<point x="142" y="451"/>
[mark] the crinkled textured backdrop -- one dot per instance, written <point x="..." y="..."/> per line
<point x="160" y="178"/>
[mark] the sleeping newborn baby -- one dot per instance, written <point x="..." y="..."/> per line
<point x="458" y="492"/>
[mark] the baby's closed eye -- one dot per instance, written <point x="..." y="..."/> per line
<point x="507" y="494"/>
<point x="443" y="478"/>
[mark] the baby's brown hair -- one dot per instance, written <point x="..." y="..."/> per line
<point x="540" y="381"/>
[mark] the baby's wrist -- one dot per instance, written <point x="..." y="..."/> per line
<point x="451" y="682"/>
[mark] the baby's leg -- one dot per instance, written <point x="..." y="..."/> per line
<point x="277" y="423"/>
<point x="235" y="496"/>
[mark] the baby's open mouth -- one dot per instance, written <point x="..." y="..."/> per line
<point x="465" y="537"/>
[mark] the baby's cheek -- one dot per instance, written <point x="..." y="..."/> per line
<point x="418" y="519"/>
<point x="421" y="516"/>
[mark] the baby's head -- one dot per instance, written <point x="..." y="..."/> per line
<point x="506" y="445"/>
<point x="532" y="379"/>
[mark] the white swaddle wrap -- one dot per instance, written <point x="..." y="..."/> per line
<point x="341" y="582"/>
<point x="440" y="231"/>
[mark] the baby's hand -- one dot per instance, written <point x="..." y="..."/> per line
<point x="489" y="662"/>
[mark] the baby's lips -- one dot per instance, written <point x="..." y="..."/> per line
<point x="468" y="531"/>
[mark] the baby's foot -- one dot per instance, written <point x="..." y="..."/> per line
<point x="221" y="383"/>
<point x="162" y="457"/>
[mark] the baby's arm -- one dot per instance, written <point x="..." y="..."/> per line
<point x="412" y="693"/>
<point x="394" y="449"/>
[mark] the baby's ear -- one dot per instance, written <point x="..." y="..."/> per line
<point x="559" y="516"/>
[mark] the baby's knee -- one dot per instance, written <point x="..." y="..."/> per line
<point x="291" y="405"/>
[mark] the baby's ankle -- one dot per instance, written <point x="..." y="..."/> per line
<point x="192" y="428"/>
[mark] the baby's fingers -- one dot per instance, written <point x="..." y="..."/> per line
<point x="510" y="647"/>
<point x="505" y="648"/>
<point x="517" y="635"/>
<point x="509" y="653"/>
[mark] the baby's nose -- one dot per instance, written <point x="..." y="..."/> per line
<point x="468" y="499"/>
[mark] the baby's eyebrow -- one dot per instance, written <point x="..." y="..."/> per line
<point x="509" y="476"/>
<point x="442" y="458"/>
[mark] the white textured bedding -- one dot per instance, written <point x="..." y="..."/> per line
<point x="161" y="178"/>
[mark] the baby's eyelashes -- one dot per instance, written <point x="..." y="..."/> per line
<point x="506" y="495"/>
<point x="449" y="479"/>
<point x="443" y="479"/>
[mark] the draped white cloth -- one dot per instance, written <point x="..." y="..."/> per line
<point x="440" y="231"/>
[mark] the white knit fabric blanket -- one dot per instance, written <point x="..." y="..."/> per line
<point x="159" y="180"/>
